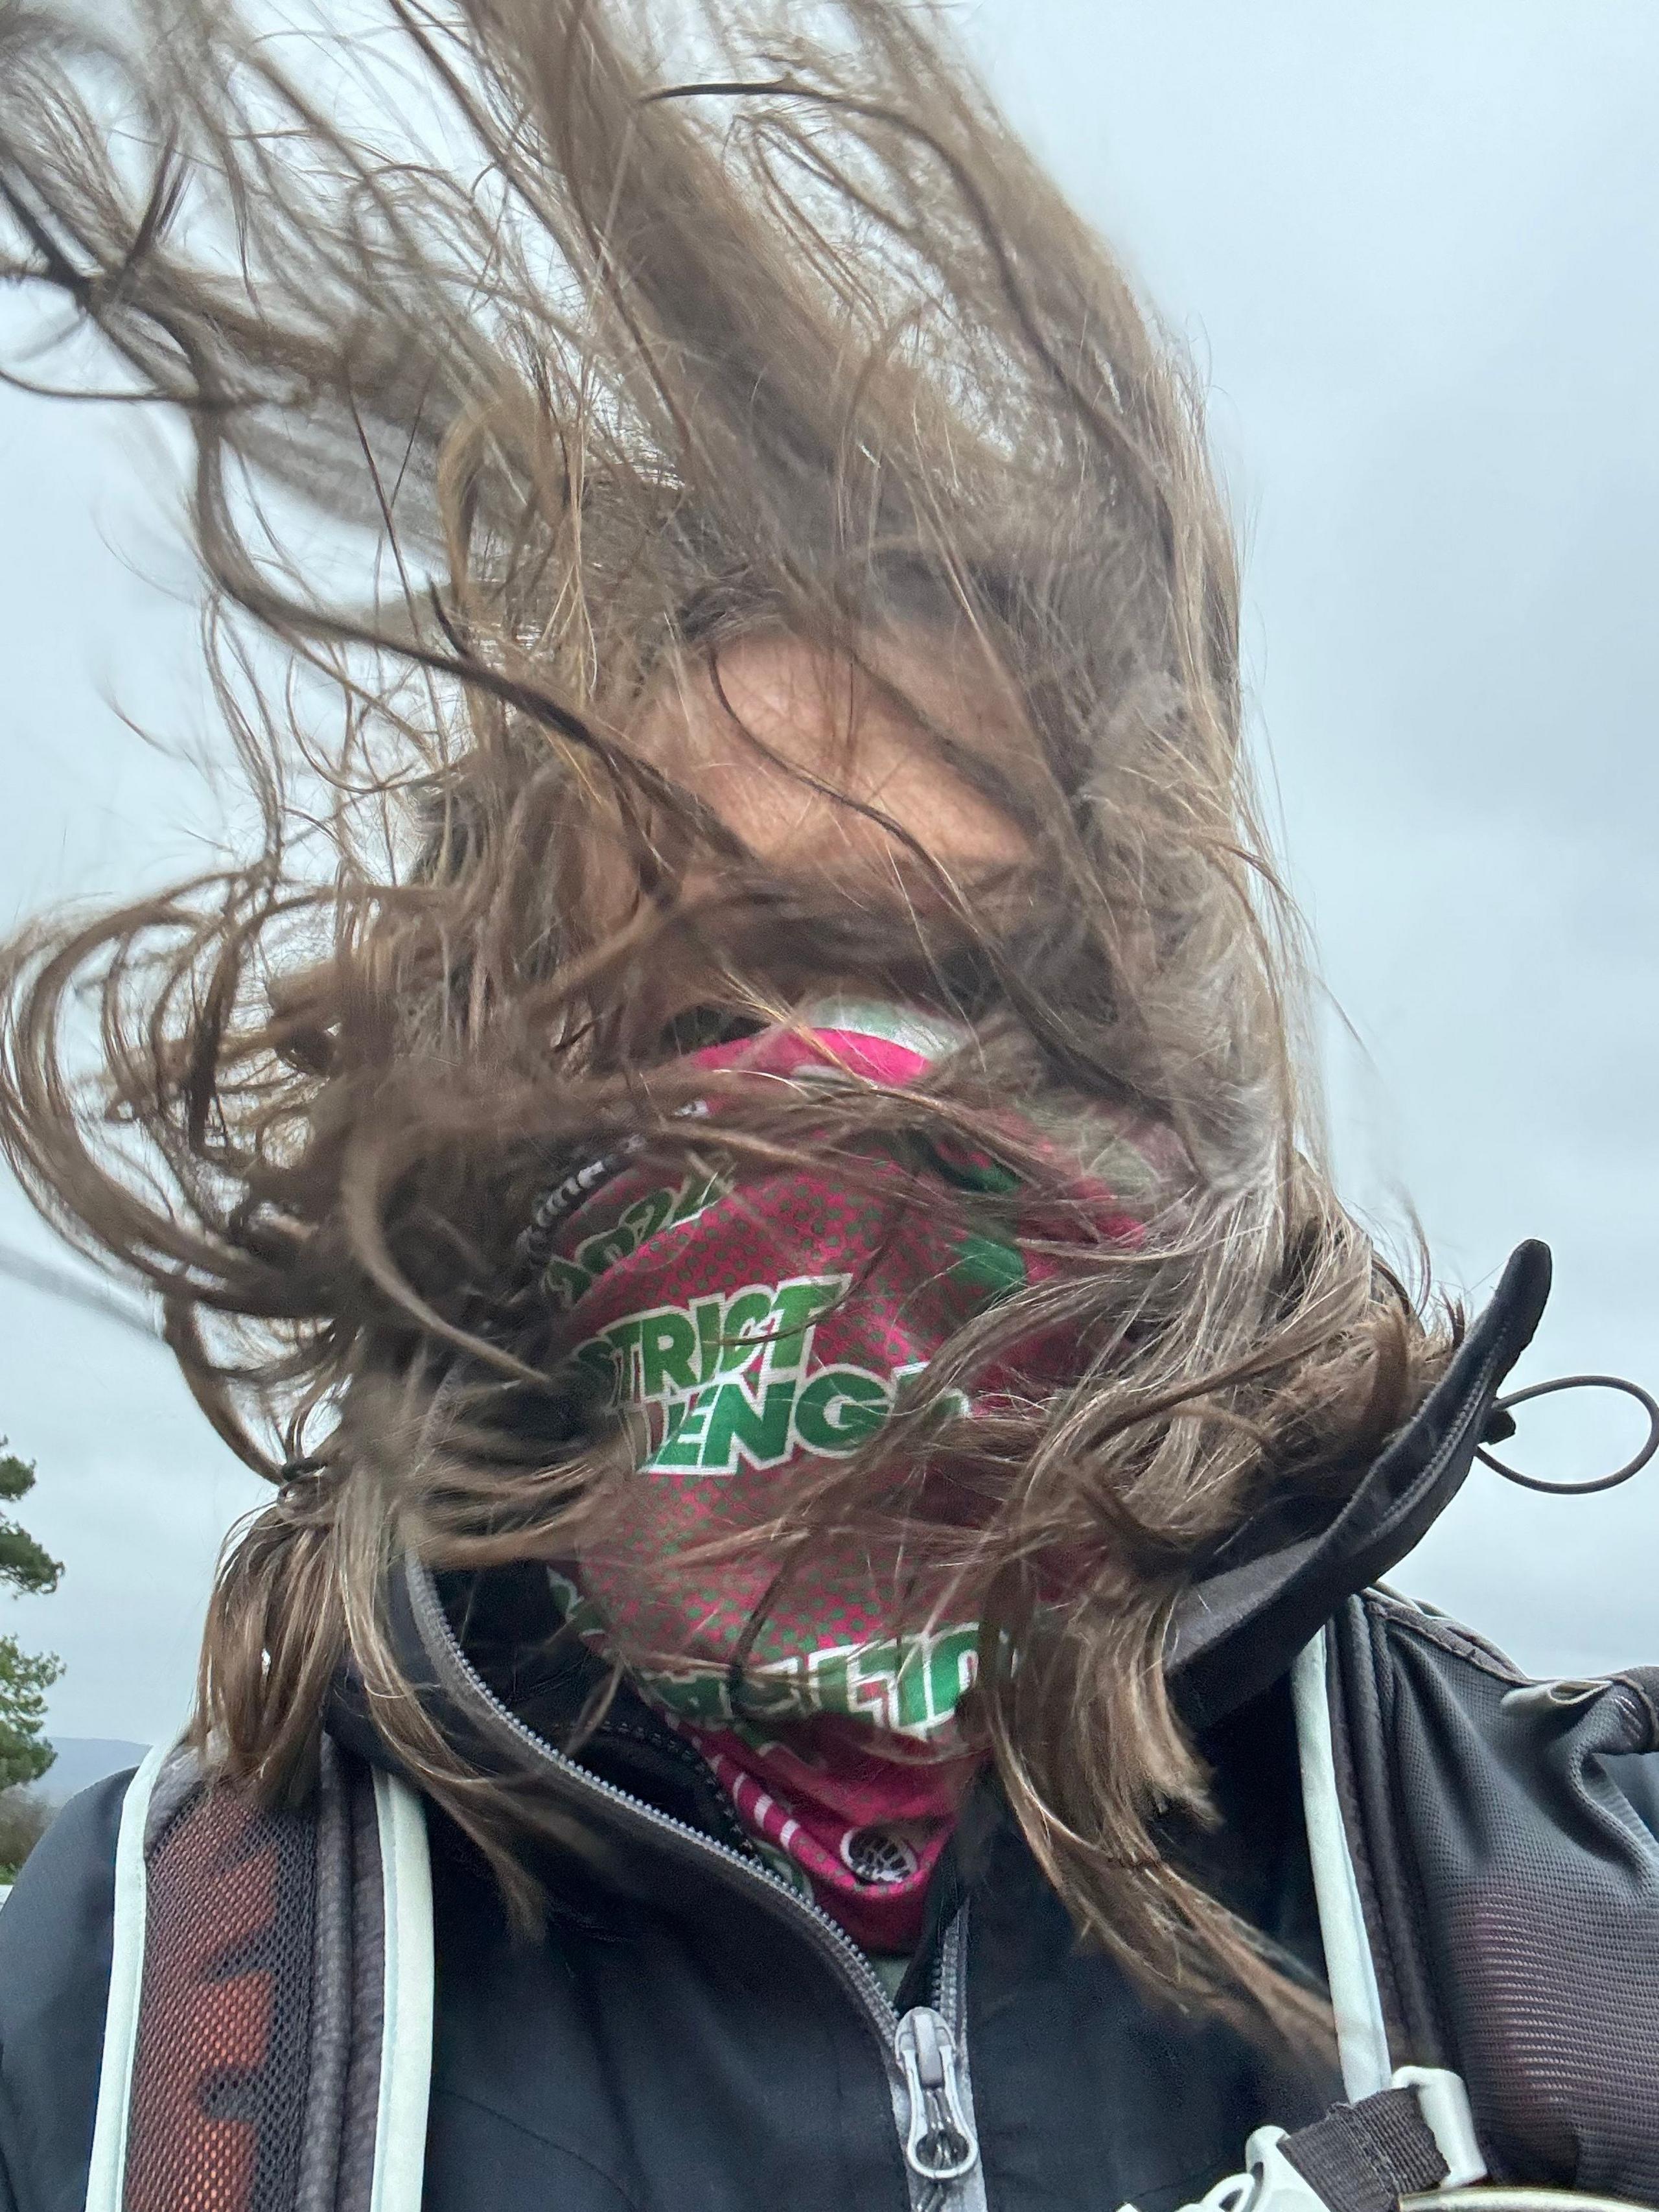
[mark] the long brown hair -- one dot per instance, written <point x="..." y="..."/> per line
<point x="595" y="352"/>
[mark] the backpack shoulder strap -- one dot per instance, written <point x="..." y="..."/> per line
<point x="1504" y="1837"/>
<point x="405" y="2053"/>
<point x="1405" y="2131"/>
<point x="268" y="2037"/>
<point x="106" y="2176"/>
<point x="1362" y="2032"/>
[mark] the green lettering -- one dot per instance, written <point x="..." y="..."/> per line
<point x="708" y="1313"/>
<point x="564" y="1282"/>
<point x="668" y="1350"/>
<point x="647" y="1215"/>
<point x="796" y="1307"/>
<point x="912" y="1686"/>
<point x="623" y="1338"/>
<point x="873" y="1682"/>
<point x="987" y="1269"/>
<point x="696" y="1192"/>
<point x="737" y="1426"/>
<point x="839" y="1409"/>
<point x="604" y="1249"/>
<point x="746" y="1314"/>
<point x="694" y="1697"/>
<point x="952" y="1662"/>
<point x="965" y="1169"/>
<point x="598" y="1358"/>
<point x="682" y="1445"/>
<point x="951" y="1404"/>
<point x="832" y="1681"/>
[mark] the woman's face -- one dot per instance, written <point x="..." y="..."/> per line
<point x="826" y="720"/>
<point x="776" y="717"/>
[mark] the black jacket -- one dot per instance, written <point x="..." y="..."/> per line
<point x="689" y="2034"/>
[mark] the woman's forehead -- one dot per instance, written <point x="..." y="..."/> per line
<point x="756" y="729"/>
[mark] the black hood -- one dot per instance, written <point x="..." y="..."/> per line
<point x="483" y="1653"/>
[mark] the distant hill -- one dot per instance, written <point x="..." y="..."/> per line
<point x="83" y="1760"/>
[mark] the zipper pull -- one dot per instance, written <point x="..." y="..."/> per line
<point x="939" y="2144"/>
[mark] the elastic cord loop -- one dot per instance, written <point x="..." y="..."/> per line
<point x="1650" y="1405"/>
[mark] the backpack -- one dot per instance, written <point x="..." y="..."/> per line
<point x="268" y="2039"/>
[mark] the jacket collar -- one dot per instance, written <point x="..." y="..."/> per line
<point x="1239" y="1628"/>
<point x="1234" y="1635"/>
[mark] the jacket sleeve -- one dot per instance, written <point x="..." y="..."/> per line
<point x="55" y="1940"/>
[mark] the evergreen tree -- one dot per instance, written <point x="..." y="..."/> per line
<point x="25" y="1676"/>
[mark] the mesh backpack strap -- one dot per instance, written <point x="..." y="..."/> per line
<point x="253" y="2019"/>
<point x="222" y="2062"/>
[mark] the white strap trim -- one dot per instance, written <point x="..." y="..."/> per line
<point x="406" y="2029"/>
<point x="1361" y="2039"/>
<point x="107" y="2175"/>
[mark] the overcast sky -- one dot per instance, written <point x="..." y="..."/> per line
<point x="1414" y="243"/>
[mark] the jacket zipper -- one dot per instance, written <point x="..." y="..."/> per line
<point x="924" y="2051"/>
<point x="941" y="2148"/>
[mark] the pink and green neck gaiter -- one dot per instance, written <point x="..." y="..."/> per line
<point x="747" y="1328"/>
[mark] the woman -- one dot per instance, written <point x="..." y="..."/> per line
<point x="739" y="1157"/>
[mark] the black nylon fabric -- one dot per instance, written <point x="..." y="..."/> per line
<point x="671" y="2043"/>
<point x="1365" y="2157"/>
<point x="54" y="1978"/>
<point x="657" y="2056"/>
<point x="654" y="2053"/>
<point x="1510" y="1842"/>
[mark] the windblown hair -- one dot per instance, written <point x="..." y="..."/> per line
<point x="531" y="352"/>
